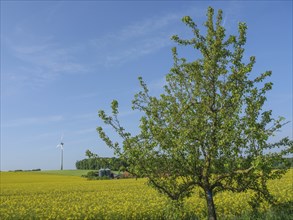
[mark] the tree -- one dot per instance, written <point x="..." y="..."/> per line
<point x="208" y="128"/>
<point x="89" y="154"/>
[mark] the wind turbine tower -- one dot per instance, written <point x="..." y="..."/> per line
<point x="62" y="148"/>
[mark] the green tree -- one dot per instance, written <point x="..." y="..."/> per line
<point x="90" y="154"/>
<point x="208" y="128"/>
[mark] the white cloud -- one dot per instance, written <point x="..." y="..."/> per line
<point x="41" y="61"/>
<point x="138" y="39"/>
<point x="138" y="49"/>
<point x="136" y="30"/>
<point x="125" y="114"/>
<point x="157" y="84"/>
<point x="224" y="21"/>
<point x="86" y="116"/>
<point x="48" y="57"/>
<point x="32" y="121"/>
<point x="142" y="37"/>
<point x="85" y="131"/>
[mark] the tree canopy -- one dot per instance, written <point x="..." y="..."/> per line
<point x="94" y="162"/>
<point x="209" y="128"/>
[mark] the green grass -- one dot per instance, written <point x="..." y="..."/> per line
<point x="66" y="172"/>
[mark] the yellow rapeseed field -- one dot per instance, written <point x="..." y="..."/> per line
<point x="32" y="195"/>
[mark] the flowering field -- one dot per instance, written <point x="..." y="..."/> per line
<point x="33" y="195"/>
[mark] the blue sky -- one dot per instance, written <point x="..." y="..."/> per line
<point x="63" y="61"/>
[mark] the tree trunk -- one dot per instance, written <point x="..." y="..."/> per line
<point x="210" y="204"/>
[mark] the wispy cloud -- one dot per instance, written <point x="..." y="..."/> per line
<point x="94" y="116"/>
<point x="47" y="57"/>
<point x="128" y="113"/>
<point x="224" y="21"/>
<point x="138" y="39"/>
<point x="53" y="10"/>
<point x="85" y="131"/>
<point x="138" y="49"/>
<point x="86" y="116"/>
<point x="53" y="59"/>
<point x="85" y="96"/>
<point x="32" y="121"/>
<point x="41" y="61"/>
<point x="157" y="84"/>
<point x="135" y="30"/>
<point x="143" y="37"/>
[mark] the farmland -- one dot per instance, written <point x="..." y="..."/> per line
<point x="62" y="195"/>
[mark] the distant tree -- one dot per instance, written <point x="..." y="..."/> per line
<point x="93" y="162"/>
<point x="89" y="154"/>
<point x="208" y="129"/>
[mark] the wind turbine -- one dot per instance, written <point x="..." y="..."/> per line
<point x="62" y="148"/>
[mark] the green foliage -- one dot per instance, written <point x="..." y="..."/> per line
<point x="96" y="163"/>
<point x="281" y="211"/>
<point x="89" y="154"/>
<point x="208" y="128"/>
<point x="94" y="175"/>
